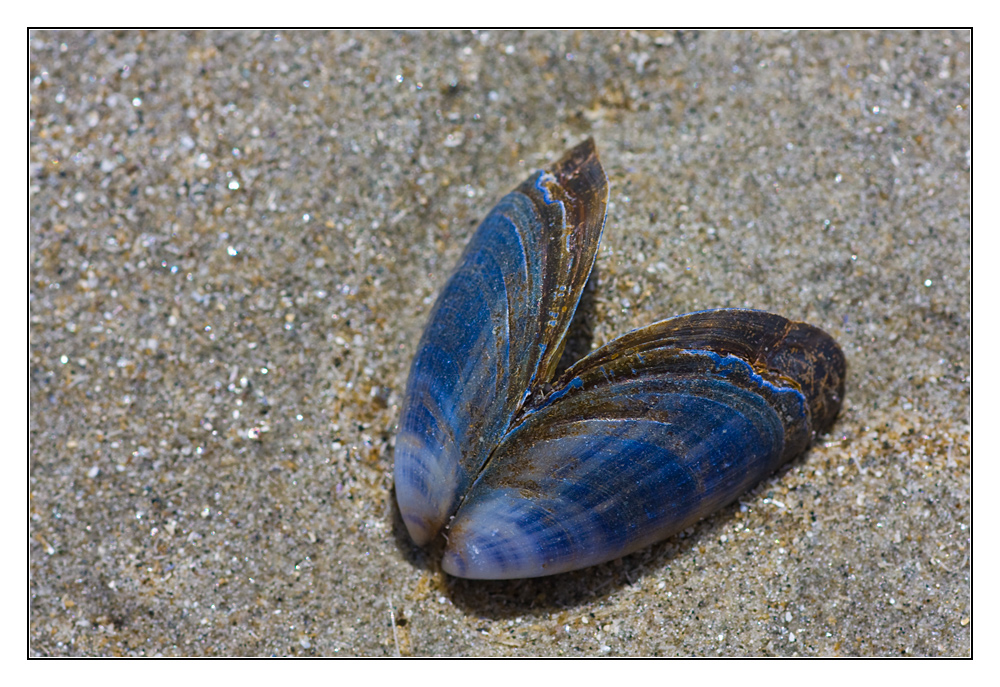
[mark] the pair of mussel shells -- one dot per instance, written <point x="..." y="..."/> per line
<point x="528" y="476"/>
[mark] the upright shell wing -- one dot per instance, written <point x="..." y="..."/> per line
<point x="496" y="333"/>
<point x="644" y="437"/>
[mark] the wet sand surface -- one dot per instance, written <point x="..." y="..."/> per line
<point x="235" y="240"/>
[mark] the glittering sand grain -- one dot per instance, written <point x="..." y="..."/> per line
<point x="235" y="239"/>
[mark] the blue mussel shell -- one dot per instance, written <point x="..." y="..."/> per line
<point x="638" y="440"/>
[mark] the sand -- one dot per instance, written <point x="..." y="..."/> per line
<point x="234" y="243"/>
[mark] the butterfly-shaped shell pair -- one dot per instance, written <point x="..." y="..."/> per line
<point x="636" y="441"/>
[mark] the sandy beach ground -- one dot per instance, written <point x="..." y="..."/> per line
<point x="234" y="242"/>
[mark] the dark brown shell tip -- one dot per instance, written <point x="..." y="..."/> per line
<point x="812" y="358"/>
<point x="576" y="157"/>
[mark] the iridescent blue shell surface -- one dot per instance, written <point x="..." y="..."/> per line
<point x="638" y="440"/>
